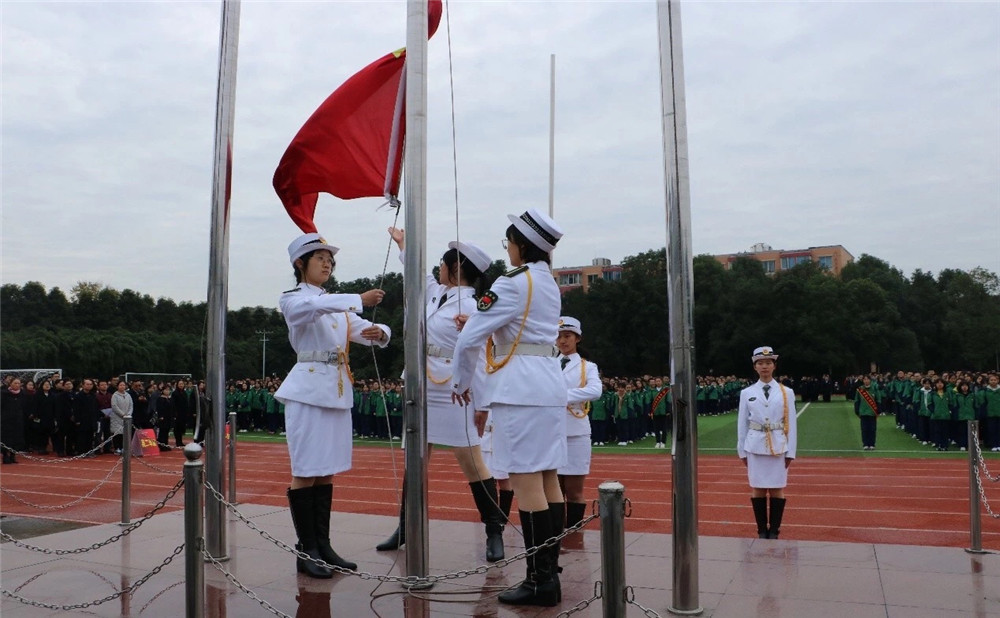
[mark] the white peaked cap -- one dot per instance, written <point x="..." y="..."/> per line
<point x="538" y="228"/>
<point x="570" y="324"/>
<point x="306" y="243"/>
<point x="474" y="253"/>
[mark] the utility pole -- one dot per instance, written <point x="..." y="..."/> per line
<point x="263" y="344"/>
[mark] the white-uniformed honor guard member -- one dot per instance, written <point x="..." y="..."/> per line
<point x="317" y="392"/>
<point x="450" y="298"/>
<point x="766" y="441"/>
<point x="524" y="390"/>
<point x="583" y="384"/>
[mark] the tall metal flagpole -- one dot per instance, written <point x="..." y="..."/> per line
<point x="680" y="293"/>
<point x="552" y="136"/>
<point x="414" y="267"/>
<point x="218" y="277"/>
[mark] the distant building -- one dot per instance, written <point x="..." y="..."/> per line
<point x="580" y="277"/>
<point x="832" y="257"/>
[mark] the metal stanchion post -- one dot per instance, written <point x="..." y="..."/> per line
<point x="611" y="500"/>
<point x="232" y="458"/>
<point x="975" y="525"/>
<point x="127" y="470"/>
<point x="194" y="538"/>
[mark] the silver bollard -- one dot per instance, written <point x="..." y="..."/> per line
<point x="194" y="537"/>
<point x="611" y="501"/>
<point x="975" y="506"/>
<point x="127" y="470"/>
<point x="232" y="458"/>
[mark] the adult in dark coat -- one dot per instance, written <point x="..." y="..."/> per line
<point x="826" y="388"/>
<point x="45" y="412"/>
<point x="164" y="418"/>
<point x="180" y="401"/>
<point x="13" y="409"/>
<point x="140" y="406"/>
<point x="86" y="417"/>
<point x="64" y="440"/>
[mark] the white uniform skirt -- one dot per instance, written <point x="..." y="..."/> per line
<point x="488" y="458"/>
<point x="449" y="424"/>
<point x="528" y="438"/>
<point x="319" y="439"/>
<point x="577" y="456"/>
<point x="767" y="471"/>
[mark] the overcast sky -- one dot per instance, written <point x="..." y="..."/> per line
<point x="871" y="125"/>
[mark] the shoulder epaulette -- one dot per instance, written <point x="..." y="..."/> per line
<point x="292" y="290"/>
<point x="515" y="272"/>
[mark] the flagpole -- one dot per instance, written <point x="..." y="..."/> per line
<point x="552" y="135"/>
<point x="414" y="267"/>
<point x="680" y="294"/>
<point x="218" y="278"/>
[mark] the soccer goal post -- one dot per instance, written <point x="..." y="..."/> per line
<point x="155" y="378"/>
<point x="35" y="375"/>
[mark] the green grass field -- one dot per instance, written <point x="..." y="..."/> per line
<point x="825" y="430"/>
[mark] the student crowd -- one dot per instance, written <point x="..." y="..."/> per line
<point x="68" y="417"/>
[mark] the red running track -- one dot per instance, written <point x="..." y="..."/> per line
<point x="905" y="501"/>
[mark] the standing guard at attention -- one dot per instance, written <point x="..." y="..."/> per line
<point x="766" y="441"/>
<point x="318" y="395"/>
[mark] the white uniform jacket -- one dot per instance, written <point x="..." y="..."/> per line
<point x="319" y="322"/>
<point x="759" y="412"/>
<point x="442" y="335"/>
<point x="577" y="423"/>
<point x="526" y="380"/>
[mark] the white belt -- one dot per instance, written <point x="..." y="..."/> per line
<point x="527" y="349"/>
<point x="330" y="358"/>
<point x="767" y="426"/>
<point x="439" y="352"/>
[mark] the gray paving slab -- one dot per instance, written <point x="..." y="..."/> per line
<point x="737" y="577"/>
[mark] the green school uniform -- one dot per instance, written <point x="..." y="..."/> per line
<point x="965" y="405"/>
<point x="662" y="405"/>
<point x="599" y="407"/>
<point x="989" y="402"/>
<point x="861" y="405"/>
<point x="939" y="407"/>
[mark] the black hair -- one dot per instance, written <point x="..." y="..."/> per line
<point x="472" y="275"/>
<point x="529" y="251"/>
<point x="305" y="260"/>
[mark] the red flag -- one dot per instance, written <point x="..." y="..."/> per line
<point x="343" y="149"/>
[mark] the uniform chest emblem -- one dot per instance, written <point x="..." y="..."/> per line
<point x="487" y="301"/>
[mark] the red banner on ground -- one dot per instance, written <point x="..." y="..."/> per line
<point x="144" y="443"/>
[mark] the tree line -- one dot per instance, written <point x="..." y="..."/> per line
<point x="871" y="316"/>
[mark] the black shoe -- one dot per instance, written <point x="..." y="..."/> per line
<point x="494" y="547"/>
<point x="395" y="541"/>
<point x="310" y="568"/>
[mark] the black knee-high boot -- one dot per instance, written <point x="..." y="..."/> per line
<point x="506" y="500"/>
<point x="777" y="510"/>
<point x="557" y="515"/>
<point x="323" y="498"/>
<point x="301" y="502"/>
<point x="485" y="495"/>
<point x="574" y="513"/>
<point x="398" y="537"/>
<point x="760" y="514"/>
<point x="538" y="587"/>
